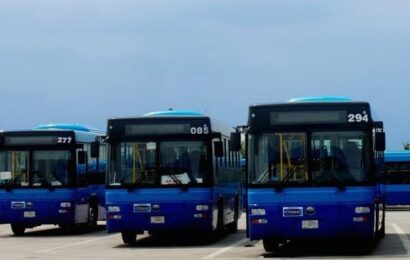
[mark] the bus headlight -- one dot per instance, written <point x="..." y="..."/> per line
<point x="258" y="212"/>
<point x="65" y="204"/>
<point x="361" y="210"/>
<point x="113" y="208"/>
<point x="202" y="207"/>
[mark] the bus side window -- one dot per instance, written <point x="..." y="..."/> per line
<point x="81" y="166"/>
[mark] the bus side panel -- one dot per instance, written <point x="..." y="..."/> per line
<point x="230" y="193"/>
<point x="398" y="194"/>
<point x="159" y="209"/>
<point x="33" y="207"/>
<point x="311" y="213"/>
<point x="230" y="189"/>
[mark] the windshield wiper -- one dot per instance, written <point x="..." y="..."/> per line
<point x="279" y="187"/>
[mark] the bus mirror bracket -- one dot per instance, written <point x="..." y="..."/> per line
<point x="380" y="141"/>
<point x="219" y="151"/>
<point x="81" y="157"/>
<point x="235" y="141"/>
<point x="95" y="149"/>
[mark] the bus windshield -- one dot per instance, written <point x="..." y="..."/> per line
<point x="282" y="158"/>
<point x="49" y="168"/>
<point x="159" y="163"/>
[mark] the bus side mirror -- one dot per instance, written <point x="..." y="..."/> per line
<point x="235" y="142"/>
<point x="95" y="149"/>
<point x="219" y="150"/>
<point x="81" y="155"/>
<point x="380" y="141"/>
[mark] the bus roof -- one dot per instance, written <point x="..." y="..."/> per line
<point x="172" y="112"/>
<point x="49" y="135"/>
<point x="69" y="127"/>
<point x="397" y="156"/>
<point x="321" y="99"/>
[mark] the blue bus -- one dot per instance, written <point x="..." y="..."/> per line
<point x="397" y="165"/>
<point x="52" y="175"/>
<point x="314" y="171"/>
<point x="172" y="171"/>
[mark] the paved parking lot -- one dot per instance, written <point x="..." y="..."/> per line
<point x="49" y="242"/>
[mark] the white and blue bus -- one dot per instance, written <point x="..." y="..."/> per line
<point x="397" y="165"/>
<point x="52" y="174"/>
<point x="315" y="170"/>
<point x="172" y="171"/>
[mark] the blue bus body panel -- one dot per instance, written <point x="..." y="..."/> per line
<point x="177" y="206"/>
<point x="45" y="203"/>
<point x="397" y="194"/>
<point x="334" y="211"/>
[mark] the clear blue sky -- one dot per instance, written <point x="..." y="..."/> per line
<point x="85" y="61"/>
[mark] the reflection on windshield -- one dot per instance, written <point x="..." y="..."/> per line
<point x="278" y="157"/>
<point x="281" y="158"/>
<point x="339" y="155"/>
<point x="162" y="163"/>
<point x="14" y="168"/>
<point x="50" y="168"/>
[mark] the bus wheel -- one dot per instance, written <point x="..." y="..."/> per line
<point x="233" y="227"/>
<point x="18" y="230"/>
<point x="92" y="218"/>
<point x="381" y="233"/>
<point x="270" y="245"/>
<point x="129" y="237"/>
<point x="220" y="219"/>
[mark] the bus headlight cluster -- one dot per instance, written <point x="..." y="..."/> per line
<point x="360" y="219"/>
<point x="202" y="207"/>
<point x="200" y="215"/>
<point x="65" y="204"/>
<point x="112" y="216"/>
<point x="258" y="212"/>
<point x="259" y="221"/>
<point x="113" y="208"/>
<point x="361" y="210"/>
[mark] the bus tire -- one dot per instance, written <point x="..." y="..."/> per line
<point x="129" y="237"/>
<point x="270" y="245"/>
<point x="381" y="233"/>
<point x="92" y="217"/>
<point x="233" y="227"/>
<point x="220" y="222"/>
<point x="18" y="230"/>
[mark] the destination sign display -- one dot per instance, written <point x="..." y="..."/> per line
<point x="37" y="140"/>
